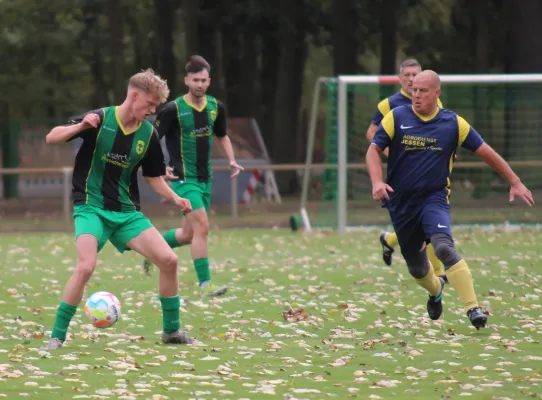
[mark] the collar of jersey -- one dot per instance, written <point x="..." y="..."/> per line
<point x="199" y="109"/>
<point x="426" y="118"/>
<point x="406" y="94"/>
<point x="121" y="126"/>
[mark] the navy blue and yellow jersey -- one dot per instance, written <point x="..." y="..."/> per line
<point x="401" y="98"/>
<point x="422" y="148"/>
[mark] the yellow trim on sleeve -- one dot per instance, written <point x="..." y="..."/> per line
<point x="384" y="107"/>
<point x="463" y="129"/>
<point x="388" y="123"/>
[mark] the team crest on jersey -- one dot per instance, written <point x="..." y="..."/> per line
<point x="140" y="146"/>
<point x="213" y="115"/>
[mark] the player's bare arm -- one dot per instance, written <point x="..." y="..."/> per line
<point x="61" y="134"/>
<point x="225" y="142"/>
<point x="374" y="165"/>
<point x="371" y="134"/>
<point x="499" y="165"/>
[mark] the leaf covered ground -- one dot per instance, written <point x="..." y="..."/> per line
<point x="306" y="317"/>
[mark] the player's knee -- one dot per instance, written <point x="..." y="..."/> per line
<point x="186" y="236"/>
<point x="417" y="264"/>
<point x="445" y="250"/>
<point x="85" y="269"/>
<point x="168" y="262"/>
<point x="201" y="226"/>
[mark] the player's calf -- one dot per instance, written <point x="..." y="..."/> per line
<point x="460" y="277"/>
<point x="420" y="269"/>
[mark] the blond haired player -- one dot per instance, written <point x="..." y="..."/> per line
<point x="117" y="141"/>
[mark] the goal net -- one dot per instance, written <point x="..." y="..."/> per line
<point x="505" y="109"/>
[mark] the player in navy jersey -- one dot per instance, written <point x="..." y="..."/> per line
<point x="408" y="70"/>
<point x="422" y="141"/>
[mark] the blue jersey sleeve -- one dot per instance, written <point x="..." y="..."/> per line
<point x="384" y="133"/>
<point x="382" y="110"/>
<point x="468" y="137"/>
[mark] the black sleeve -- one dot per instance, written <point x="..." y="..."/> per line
<point x="86" y="132"/>
<point x="167" y="120"/>
<point x="153" y="163"/>
<point x="220" y="122"/>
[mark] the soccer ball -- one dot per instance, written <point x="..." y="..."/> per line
<point x="103" y="309"/>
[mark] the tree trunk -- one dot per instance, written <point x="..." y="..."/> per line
<point x="292" y="57"/>
<point x="91" y="37"/>
<point x="136" y="39"/>
<point x="116" y="50"/>
<point x="345" y="61"/>
<point x="249" y="85"/>
<point x="165" y="13"/>
<point x="388" y="43"/>
<point x="232" y="48"/>
<point x="268" y="81"/>
<point x="481" y="96"/>
<point x="209" y="28"/>
<point x="524" y="55"/>
<point x="191" y="40"/>
<point x="344" y="40"/>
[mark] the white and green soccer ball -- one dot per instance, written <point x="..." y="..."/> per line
<point x="102" y="309"/>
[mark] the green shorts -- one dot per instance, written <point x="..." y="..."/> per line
<point x="199" y="193"/>
<point x="117" y="227"/>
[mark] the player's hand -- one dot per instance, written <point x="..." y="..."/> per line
<point x="170" y="176"/>
<point x="520" y="190"/>
<point x="236" y="169"/>
<point x="183" y="203"/>
<point x="90" y="121"/>
<point x="380" y="191"/>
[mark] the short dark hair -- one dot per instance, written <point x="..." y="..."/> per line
<point x="197" y="64"/>
<point x="409" y="62"/>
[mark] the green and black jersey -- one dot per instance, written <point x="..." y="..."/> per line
<point x="189" y="134"/>
<point x="105" y="171"/>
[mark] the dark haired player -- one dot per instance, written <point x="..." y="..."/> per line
<point x="190" y="123"/>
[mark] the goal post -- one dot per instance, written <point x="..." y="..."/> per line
<point x="505" y="108"/>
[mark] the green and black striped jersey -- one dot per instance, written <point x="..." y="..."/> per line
<point x="189" y="134"/>
<point x="105" y="171"/>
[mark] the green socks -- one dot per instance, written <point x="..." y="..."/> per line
<point x="170" y="309"/>
<point x="202" y="269"/>
<point x="171" y="313"/>
<point x="64" y="315"/>
<point x="171" y="240"/>
<point x="201" y="264"/>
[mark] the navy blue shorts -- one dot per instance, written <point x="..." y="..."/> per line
<point x="415" y="221"/>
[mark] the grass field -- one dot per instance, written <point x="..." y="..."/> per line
<point x="366" y="334"/>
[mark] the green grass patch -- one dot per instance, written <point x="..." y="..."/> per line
<point x="366" y="333"/>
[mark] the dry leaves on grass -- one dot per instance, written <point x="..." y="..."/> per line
<point x="295" y="315"/>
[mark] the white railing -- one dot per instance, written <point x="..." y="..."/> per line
<point x="66" y="173"/>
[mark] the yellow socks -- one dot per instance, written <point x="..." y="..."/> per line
<point x="391" y="239"/>
<point x="435" y="262"/>
<point x="460" y="278"/>
<point x="430" y="282"/>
